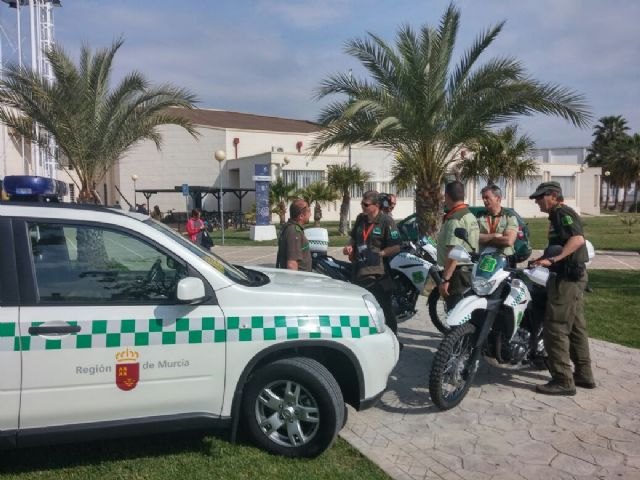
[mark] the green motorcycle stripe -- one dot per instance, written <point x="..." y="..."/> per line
<point x="157" y="331"/>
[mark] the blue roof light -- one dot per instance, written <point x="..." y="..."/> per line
<point x="32" y="188"/>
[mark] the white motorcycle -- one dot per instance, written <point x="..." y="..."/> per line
<point x="410" y="269"/>
<point x="499" y="320"/>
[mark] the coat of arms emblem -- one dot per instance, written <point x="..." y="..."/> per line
<point x="127" y="369"/>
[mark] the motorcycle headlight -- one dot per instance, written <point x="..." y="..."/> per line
<point x="482" y="286"/>
<point x="375" y="312"/>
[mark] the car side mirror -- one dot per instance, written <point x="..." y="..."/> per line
<point x="191" y="290"/>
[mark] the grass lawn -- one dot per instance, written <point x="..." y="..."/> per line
<point x="606" y="232"/>
<point x="181" y="456"/>
<point x="612" y="308"/>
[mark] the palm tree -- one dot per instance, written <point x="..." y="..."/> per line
<point x="92" y="124"/>
<point x="318" y="193"/>
<point x="634" y="158"/>
<point x="279" y="194"/>
<point x="423" y="110"/>
<point x="503" y="154"/>
<point x="625" y="166"/>
<point x="342" y="178"/>
<point x="608" y="135"/>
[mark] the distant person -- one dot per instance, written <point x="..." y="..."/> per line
<point x="156" y="214"/>
<point x="565" y="329"/>
<point x="456" y="277"/>
<point x="498" y="228"/>
<point x="142" y="209"/>
<point x="195" y="225"/>
<point x="388" y="203"/>
<point x="293" y="246"/>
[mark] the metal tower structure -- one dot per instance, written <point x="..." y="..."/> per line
<point x="41" y="28"/>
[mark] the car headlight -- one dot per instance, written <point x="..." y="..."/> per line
<point x="482" y="286"/>
<point x="375" y="312"/>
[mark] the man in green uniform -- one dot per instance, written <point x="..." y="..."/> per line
<point x="456" y="277"/>
<point x="498" y="228"/>
<point x="374" y="239"/>
<point x="565" y="329"/>
<point x="293" y="246"/>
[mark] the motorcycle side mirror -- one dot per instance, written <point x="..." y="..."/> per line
<point x="552" y="251"/>
<point x="461" y="233"/>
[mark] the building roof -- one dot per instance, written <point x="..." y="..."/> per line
<point x="248" y="121"/>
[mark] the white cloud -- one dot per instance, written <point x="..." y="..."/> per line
<point x="306" y="13"/>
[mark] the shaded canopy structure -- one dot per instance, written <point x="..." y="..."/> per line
<point x="198" y="193"/>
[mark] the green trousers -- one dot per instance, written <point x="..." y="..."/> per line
<point x="565" y="331"/>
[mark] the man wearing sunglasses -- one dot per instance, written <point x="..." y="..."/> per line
<point x="374" y="239"/>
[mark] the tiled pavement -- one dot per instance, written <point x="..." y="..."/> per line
<point x="502" y="429"/>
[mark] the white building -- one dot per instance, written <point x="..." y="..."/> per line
<point x="284" y="144"/>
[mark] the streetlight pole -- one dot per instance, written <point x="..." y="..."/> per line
<point x="220" y="155"/>
<point x="606" y="176"/>
<point x="134" y="177"/>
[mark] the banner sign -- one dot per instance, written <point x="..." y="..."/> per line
<point x="263" y="180"/>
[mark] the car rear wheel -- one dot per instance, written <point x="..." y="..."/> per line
<point x="293" y="407"/>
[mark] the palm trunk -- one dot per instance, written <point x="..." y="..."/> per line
<point x="635" y="196"/>
<point x="615" y="198"/>
<point x="344" y="213"/>
<point x="606" y="202"/>
<point x="317" y="215"/>
<point x="428" y="207"/>
<point x="624" y="198"/>
<point x="282" y="211"/>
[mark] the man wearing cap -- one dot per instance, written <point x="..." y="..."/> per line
<point x="456" y="277"/>
<point x="293" y="246"/>
<point x="565" y="329"/>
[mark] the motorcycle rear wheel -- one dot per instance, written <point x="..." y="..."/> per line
<point x="452" y="372"/>
<point x="438" y="311"/>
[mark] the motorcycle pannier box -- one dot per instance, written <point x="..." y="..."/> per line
<point x="318" y="239"/>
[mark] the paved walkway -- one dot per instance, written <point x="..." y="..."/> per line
<point x="502" y="429"/>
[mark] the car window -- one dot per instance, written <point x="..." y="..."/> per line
<point x="92" y="264"/>
<point x="230" y="271"/>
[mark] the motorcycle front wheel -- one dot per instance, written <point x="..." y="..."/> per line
<point x="438" y="311"/>
<point x="452" y="371"/>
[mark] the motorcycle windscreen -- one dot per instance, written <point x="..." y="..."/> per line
<point x="489" y="264"/>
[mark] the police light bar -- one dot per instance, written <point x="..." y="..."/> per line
<point x="29" y="188"/>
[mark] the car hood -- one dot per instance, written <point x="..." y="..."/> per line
<point x="307" y="282"/>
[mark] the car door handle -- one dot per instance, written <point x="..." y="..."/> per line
<point x="54" y="329"/>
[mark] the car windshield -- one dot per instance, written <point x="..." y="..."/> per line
<point x="230" y="271"/>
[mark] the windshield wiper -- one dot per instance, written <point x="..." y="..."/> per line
<point x="256" y="278"/>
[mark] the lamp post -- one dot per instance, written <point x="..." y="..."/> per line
<point x="134" y="177"/>
<point x="220" y="156"/>
<point x="606" y="176"/>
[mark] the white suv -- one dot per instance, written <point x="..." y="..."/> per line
<point x="110" y="321"/>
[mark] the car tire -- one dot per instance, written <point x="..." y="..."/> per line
<point x="293" y="407"/>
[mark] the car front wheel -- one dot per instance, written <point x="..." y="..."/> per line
<point x="293" y="407"/>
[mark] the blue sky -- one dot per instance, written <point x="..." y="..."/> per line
<point x="268" y="56"/>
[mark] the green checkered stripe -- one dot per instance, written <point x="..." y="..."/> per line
<point x="156" y="331"/>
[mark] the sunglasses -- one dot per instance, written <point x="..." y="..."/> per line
<point x="366" y="204"/>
